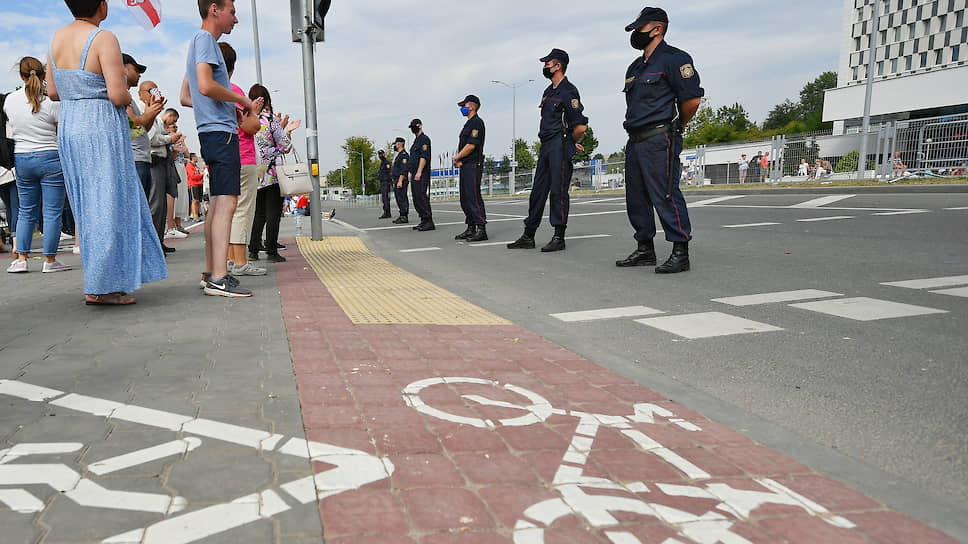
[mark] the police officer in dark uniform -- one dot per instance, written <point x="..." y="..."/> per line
<point x="420" y="176"/>
<point x="385" y="183"/>
<point x="399" y="175"/>
<point x="662" y="93"/>
<point x="470" y="159"/>
<point x="563" y="124"/>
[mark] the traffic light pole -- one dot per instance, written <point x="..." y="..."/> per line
<point x="312" y="135"/>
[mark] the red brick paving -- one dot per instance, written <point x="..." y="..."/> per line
<point x="457" y="483"/>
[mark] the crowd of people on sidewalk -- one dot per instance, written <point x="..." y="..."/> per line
<point x="95" y="146"/>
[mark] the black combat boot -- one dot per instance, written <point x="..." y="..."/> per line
<point x="557" y="242"/>
<point x="643" y="256"/>
<point x="401" y="220"/>
<point x="466" y="234"/>
<point x="678" y="261"/>
<point x="386" y="215"/>
<point x="526" y="241"/>
<point x="479" y="234"/>
<point x="425" y="225"/>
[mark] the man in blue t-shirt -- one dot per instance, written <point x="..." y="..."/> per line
<point x="207" y="90"/>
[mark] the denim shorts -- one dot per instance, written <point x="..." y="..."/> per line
<point x="221" y="153"/>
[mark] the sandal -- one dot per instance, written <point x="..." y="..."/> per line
<point x="110" y="299"/>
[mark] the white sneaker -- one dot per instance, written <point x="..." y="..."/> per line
<point x="56" y="266"/>
<point x="248" y="269"/>
<point x="76" y="250"/>
<point x="172" y="233"/>
<point x="17" y="267"/>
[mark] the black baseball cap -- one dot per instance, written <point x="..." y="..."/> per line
<point x="414" y="123"/>
<point x="128" y="59"/>
<point x="470" y="98"/>
<point x="556" y="54"/>
<point x="399" y="140"/>
<point x="646" y="15"/>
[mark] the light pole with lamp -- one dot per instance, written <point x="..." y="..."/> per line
<point x="362" y="171"/>
<point x="514" y="102"/>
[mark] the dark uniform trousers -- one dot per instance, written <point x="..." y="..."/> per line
<point x="470" y="193"/>
<point x="651" y="172"/>
<point x="385" y="195"/>
<point x="420" y="189"/>
<point x="400" y="193"/>
<point x="552" y="176"/>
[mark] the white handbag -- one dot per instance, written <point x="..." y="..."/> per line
<point x="294" y="179"/>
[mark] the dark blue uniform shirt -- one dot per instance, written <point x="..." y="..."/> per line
<point x="385" y="168"/>
<point x="473" y="133"/>
<point x="420" y="150"/>
<point x="561" y="111"/>
<point x="400" y="166"/>
<point x="654" y="89"/>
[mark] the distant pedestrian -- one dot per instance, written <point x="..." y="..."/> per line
<point x="32" y="120"/>
<point x="563" y="125"/>
<point x="386" y="183"/>
<point x="470" y="159"/>
<point x="420" y="155"/>
<point x="196" y="179"/>
<point x="764" y="167"/>
<point x="662" y="94"/>
<point x="754" y="171"/>
<point x="803" y="168"/>
<point x="898" y="167"/>
<point x="399" y="173"/>
<point x="744" y="166"/>
<point x="119" y="247"/>
<point x="272" y="143"/>
<point x="141" y="121"/>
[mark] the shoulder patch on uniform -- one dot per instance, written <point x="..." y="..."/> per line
<point x="687" y="71"/>
<point x="575" y="103"/>
<point x="474" y="133"/>
<point x="425" y="147"/>
<point x="630" y="80"/>
<point x="404" y="161"/>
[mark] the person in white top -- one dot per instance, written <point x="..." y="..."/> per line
<point x="744" y="167"/>
<point x="32" y="120"/>
<point x="802" y="170"/>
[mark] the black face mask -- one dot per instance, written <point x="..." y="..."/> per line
<point x="641" y="40"/>
<point x="547" y="72"/>
<point x="415" y="130"/>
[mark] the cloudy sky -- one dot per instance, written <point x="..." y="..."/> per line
<point x="386" y="62"/>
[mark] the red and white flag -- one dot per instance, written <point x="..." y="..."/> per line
<point x="147" y="12"/>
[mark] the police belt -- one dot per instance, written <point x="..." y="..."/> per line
<point x="640" y="135"/>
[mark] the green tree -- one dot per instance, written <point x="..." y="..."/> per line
<point x="505" y="165"/>
<point x="361" y="157"/>
<point x="490" y="165"/>
<point x="811" y="100"/>
<point x="590" y="143"/>
<point x="734" y="116"/>
<point x="522" y="154"/>
<point x="782" y="114"/>
<point x="536" y="147"/>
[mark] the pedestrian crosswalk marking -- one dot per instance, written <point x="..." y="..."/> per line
<point x="782" y="296"/>
<point x="831" y="218"/>
<point x="822" y="201"/>
<point x="716" y="200"/>
<point x="867" y="309"/>
<point x="420" y="250"/>
<point x="749" y="225"/>
<point x="956" y="292"/>
<point x="930" y="283"/>
<point x="901" y="212"/>
<point x="606" y="313"/>
<point x="706" y="325"/>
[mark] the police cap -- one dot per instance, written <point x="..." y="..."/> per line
<point x="415" y="123"/>
<point x="470" y="98"/>
<point x="399" y="140"/>
<point x="647" y="15"/>
<point x="556" y="54"/>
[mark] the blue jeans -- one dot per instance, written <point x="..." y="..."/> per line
<point x="144" y="175"/>
<point x="40" y="181"/>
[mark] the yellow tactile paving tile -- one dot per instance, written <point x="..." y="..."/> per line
<point x="372" y="291"/>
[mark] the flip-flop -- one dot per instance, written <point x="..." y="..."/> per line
<point x="110" y="299"/>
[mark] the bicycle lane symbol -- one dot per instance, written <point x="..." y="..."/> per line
<point x="571" y="483"/>
<point x="351" y="470"/>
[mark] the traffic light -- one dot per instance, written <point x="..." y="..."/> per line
<point x="320" y="8"/>
<point x="314" y="14"/>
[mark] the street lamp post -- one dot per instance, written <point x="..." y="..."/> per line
<point x="514" y="103"/>
<point x="362" y="171"/>
<point x="255" y="43"/>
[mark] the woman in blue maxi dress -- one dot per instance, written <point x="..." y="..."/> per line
<point x="120" y="250"/>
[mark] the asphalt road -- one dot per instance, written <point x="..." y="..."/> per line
<point x="874" y="395"/>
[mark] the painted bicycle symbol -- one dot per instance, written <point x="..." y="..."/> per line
<point x="571" y="483"/>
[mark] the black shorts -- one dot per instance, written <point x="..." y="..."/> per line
<point x="221" y="153"/>
<point x="196" y="192"/>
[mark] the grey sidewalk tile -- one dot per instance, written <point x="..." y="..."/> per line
<point x="17" y="529"/>
<point x="215" y="474"/>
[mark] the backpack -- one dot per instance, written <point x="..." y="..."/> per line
<point x="6" y="144"/>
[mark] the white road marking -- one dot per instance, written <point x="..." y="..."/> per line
<point x="599" y="201"/>
<point x="716" y="200"/>
<point x="21" y="501"/>
<point x="518" y="218"/>
<point x="135" y="458"/>
<point x="770" y="298"/>
<point x="866" y="309"/>
<point x="930" y="283"/>
<point x="489" y="244"/>
<point x="347" y="225"/>
<point x="420" y="250"/>
<point x="959" y="208"/>
<point x="902" y="212"/>
<point x="831" y="218"/>
<point x="749" y="225"/>
<point x="822" y="201"/>
<point x="956" y="292"/>
<point x="607" y="313"/>
<point x="706" y="325"/>
<point x="27" y="391"/>
<point x="23" y="450"/>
